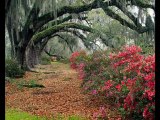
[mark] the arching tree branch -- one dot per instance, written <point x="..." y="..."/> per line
<point x="126" y="12"/>
<point x="56" y="22"/>
<point x="68" y="9"/>
<point x="115" y="16"/>
<point x="141" y="4"/>
<point x="39" y="36"/>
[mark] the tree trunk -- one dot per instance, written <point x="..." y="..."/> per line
<point x="11" y="37"/>
<point x="35" y="54"/>
<point x="20" y="55"/>
<point x="32" y="56"/>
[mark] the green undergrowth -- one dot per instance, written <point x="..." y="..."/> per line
<point x="20" y="83"/>
<point x="13" y="114"/>
<point x="13" y="69"/>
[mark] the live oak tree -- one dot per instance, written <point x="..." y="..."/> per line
<point x="31" y="23"/>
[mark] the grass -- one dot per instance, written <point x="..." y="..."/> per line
<point x="13" y="114"/>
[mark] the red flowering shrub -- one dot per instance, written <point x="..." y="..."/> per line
<point x="77" y="61"/>
<point x="77" y="58"/>
<point x="101" y="114"/>
<point x="140" y="73"/>
<point x="73" y="60"/>
<point x="127" y="76"/>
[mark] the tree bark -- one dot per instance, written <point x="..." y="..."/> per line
<point x="20" y="55"/>
<point x="32" y="56"/>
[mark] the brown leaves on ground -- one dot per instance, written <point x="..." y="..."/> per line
<point x="62" y="93"/>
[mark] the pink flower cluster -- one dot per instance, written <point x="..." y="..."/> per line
<point x="78" y="65"/>
<point x="73" y="60"/>
<point x="80" y="69"/>
<point x="101" y="114"/>
<point x="140" y="72"/>
<point x="107" y="85"/>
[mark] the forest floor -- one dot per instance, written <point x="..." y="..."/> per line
<point x="62" y="93"/>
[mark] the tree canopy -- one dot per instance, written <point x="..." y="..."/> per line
<point x="32" y="23"/>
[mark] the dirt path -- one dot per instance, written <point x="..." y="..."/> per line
<point x="61" y="95"/>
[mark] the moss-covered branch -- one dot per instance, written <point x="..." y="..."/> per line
<point x="95" y="4"/>
<point x="115" y="16"/>
<point x="126" y="12"/>
<point x="37" y="37"/>
<point x="56" y="22"/>
<point x="141" y="4"/>
<point x="68" y="9"/>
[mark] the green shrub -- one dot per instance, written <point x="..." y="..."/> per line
<point x="12" y="69"/>
<point x="45" y="60"/>
<point x="147" y="48"/>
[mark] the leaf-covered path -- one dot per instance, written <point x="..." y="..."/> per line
<point x="62" y="93"/>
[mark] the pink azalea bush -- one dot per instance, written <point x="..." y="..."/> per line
<point x="73" y="60"/>
<point x="77" y="62"/>
<point x="125" y="75"/>
<point x="101" y="114"/>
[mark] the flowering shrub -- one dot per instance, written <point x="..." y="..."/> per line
<point x="139" y="81"/>
<point x="77" y="61"/>
<point x="101" y="114"/>
<point x="73" y="60"/>
<point x="125" y="75"/>
<point x="77" y="58"/>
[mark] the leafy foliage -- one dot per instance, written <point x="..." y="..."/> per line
<point x="12" y="69"/>
<point x="147" y="46"/>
